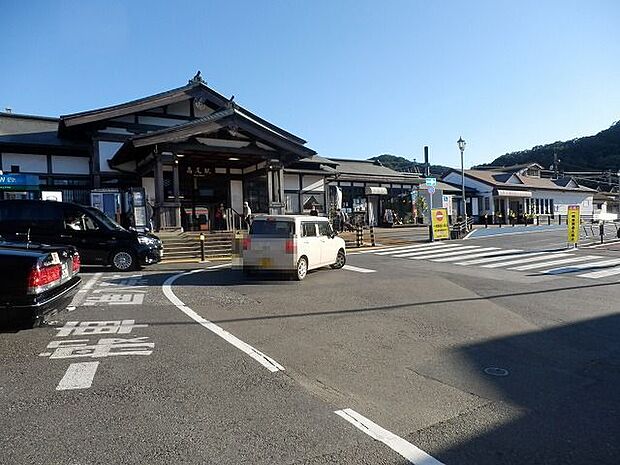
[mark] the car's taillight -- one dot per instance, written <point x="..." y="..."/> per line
<point x="289" y="246"/>
<point x="76" y="262"/>
<point x="41" y="278"/>
<point x="247" y="243"/>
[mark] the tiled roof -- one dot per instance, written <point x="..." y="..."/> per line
<point x="500" y="178"/>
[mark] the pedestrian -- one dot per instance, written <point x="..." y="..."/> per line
<point x="219" y="218"/>
<point x="314" y="211"/>
<point x="388" y="217"/>
<point x="247" y="214"/>
<point x="342" y="218"/>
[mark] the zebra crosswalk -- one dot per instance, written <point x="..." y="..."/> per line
<point x="563" y="262"/>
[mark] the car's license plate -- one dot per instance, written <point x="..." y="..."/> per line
<point x="265" y="262"/>
<point x="65" y="271"/>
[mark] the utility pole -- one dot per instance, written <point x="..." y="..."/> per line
<point x="555" y="165"/>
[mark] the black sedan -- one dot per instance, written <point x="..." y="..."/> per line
<point x="35" y="280"/>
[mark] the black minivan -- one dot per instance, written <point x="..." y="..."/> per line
<point x="98" y="239"/>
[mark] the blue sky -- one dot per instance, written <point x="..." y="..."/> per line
<point x="354" y="78"/>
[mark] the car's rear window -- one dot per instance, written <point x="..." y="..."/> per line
<point x="272" y="228"/>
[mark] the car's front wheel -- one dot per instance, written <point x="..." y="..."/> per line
<point x="124" y="260"/>
<point x="302" y="268"/>
<point x="341" y="260"/>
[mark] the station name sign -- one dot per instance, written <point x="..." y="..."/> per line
<point x="18" y="181"/>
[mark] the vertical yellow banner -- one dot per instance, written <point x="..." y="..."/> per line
<point x="439" y="218"/>
<point x="572" y="224"/>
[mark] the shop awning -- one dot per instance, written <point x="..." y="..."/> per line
<point x="507" y="193"/>
<point x="376" y="190"/>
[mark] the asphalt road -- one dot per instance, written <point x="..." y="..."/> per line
<point x="469" y="364"/>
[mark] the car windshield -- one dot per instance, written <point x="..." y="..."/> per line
<point x="105" y="219"/>
<point x="268" y="228"/>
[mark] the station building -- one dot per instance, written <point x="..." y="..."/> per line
<point x="189" y="150"/>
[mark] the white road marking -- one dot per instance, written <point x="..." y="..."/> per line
<point x="584" y="266"/>
<point x="601" y="274"/>
<point x="438" y="254"/>
<point x="80" y="294"/>
<point x="261" y="358"/>
<point x="554" y="262"/>
<point x="408" y="248"/>
<point x="531" y="258"/>
<point x="510" y="256"/>
<point x="78" y="376"/>
<point x="359" y="270"/>
<point x="412" y="453"/>
<point x="426" y="251"/>
<point x="458" y="255"/>
<point x="491" y="252"/>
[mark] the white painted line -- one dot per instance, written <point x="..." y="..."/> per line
<point x="439" y="254"/>
<point x="491" y="252"/>
<point x="469" y="234"/>
<point x="584" y="266"/>
<point x="531" y="258"/>
<point x="458" y="255"/>
<point x="608" y="242"/>
<point x="261" y="358"/>
<point x="409" y="247"/>
<point x="429" y="250"/>
<point x="554" y="262"/>
<point x="412" y="453"/>
<point x="215" y="267"/>
<point x="78" y="376"/>
<point x="500" y="257"/>
<point x="81" y="293"/>
<point x="601" y="274"/>
<point x="359" y="270"/>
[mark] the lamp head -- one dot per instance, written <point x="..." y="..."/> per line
<point x="461" y="143"/>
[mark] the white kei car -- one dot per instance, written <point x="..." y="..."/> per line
<point x="292" y="243"/>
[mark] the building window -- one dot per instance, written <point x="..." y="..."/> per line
<point x="552" y="210"/>
<point x="486" y="204"/>
<point x="291" y="202"/>
<point x="547" y="206"/>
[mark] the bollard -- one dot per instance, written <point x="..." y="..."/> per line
<point x="537" y="220"/>
<point x="602" y="231"/>
<point x="560" y="220"/>
<point x="548" y="220"/>
<point x="359" y="239"/>
<point x="202" y="246"/>
<point x="372" y="236"/>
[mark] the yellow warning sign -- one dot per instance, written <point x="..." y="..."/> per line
<point x="439" y="219"/>
<point x="572" y="224"/>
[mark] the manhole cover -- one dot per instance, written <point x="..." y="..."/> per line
<point x="494" y="371"/>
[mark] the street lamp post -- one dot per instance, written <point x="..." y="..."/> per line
<point x="461" y="144"/>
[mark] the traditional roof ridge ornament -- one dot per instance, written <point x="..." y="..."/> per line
<point x="231" y="103"/>
<point x="197" y="79"/>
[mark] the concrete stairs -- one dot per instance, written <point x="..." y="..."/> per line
<point x="184" y="247"/>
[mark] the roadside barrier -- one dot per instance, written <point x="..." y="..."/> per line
<point x="359" y="238"/>
<point x="372" y="236"/>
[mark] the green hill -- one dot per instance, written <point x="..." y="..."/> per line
<point x="402" y="164"/>
<point x="592" y="153"/>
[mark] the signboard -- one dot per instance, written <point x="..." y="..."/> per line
<point x="431" y="181"/>
<point x="572" y="224"/>
<point x="431" y="190"/>
<point x="52" y="195"/>
<point x="439" y="218"/>
<point x="21" y="182"/>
